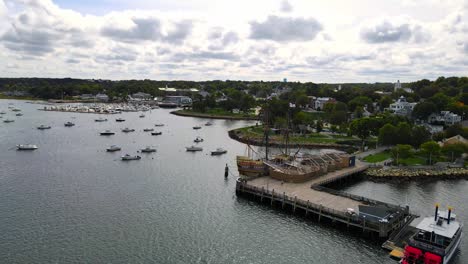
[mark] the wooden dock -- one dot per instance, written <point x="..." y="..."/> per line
<point x="312" y="197"/>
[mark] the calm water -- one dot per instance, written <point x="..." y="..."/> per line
<point x="71" y="202"/>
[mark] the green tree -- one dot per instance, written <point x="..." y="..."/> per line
<point x="403" y="133"/>
<point x="318" y="126"/>
<point x="424" y="109"/>
<point x="430" y="148"/>
<point x="385" y="102"/>
<point x="361" y="128"/>
<point x="454" y="151"/>
<point x="401" y="151"/>
<point x="419" y="135"/>
<point x="388" y="134"/>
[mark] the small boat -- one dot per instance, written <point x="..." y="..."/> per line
<point x="208" y="124"/>
<point x="218" y="151"/>
<point x="148" y="150"/>
<point x="142" y="115"/>
<point x="193" y="148"/>
<point x="120" y="120"/>
<point x="126" y="130"/>
<point x="2" y="112"/>
<point x="101" y="119"/>
<point x="19" y="114"/>
<point x="8" y="120"/>
<point x="69" y="124"/>
<point x="159" y="125"/>
<point x="129" y="157"/>
<point x="198" y="140"/>
<point x="113" y="148"/>
<point x="156" y="133"/>
<point x="42" y="127"/>
<point x="107" y="132"/>
<point x="148" y="130"/>
<point x="197" y="127"/>
<point x="26" y="147"/>
<point x="15" y="109"/>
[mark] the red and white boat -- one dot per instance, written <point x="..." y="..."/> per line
<point x="436" y="241"/>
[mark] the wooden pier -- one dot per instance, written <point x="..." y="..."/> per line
<point x="312" y="197"/>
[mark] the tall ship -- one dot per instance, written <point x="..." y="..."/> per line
<point x="436" y="239"/>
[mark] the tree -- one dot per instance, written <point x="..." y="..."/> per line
<point x="361" y="128"/>
<point x="430" y="148"/>
<point x="359" y="101"/>
<point x="419" y="135"/>
<point x="453" y="151"/>
<point x="387" y="134"/>
<point x="385" y="102"/>
<point x="403" y="133"/>
<point x="401" y="152"/>
<point x="424" y="109"/>
<point x="318" y="126"/>
<point x="440" y="100"/>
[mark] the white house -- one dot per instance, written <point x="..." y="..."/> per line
<point x="402" y="107"/>
<point x="446" y="117"/>
<point x="318" y="103"/>
<point x="102" y="97"/>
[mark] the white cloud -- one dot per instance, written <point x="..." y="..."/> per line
<point x="331" y="41"/>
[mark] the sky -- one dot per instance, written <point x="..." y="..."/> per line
<point x="301" y="40"/>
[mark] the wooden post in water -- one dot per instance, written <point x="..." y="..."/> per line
<point x="261" y="197"/>
<point x="307" y="209"/>
<point x="272" y="194"/>
<point x="226" y="171"/>
<point x="320" y="213"/>
<point x="295" y="202"/>
<point x="284" y="196"/>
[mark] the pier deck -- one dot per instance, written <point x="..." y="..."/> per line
<point x="312" y="197"/>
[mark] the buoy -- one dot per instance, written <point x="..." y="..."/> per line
<point x="226" y="171"/>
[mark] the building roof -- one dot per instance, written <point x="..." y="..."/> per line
<point x="447" y="230"/>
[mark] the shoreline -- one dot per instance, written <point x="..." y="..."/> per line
<point x="201" y="115"/>
<point x="235" y="136"/>
<point x="406" y="174"/>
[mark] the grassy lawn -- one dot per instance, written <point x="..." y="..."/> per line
<point x="257" y="133"/>
<point x="415" y="160"/>
<point x="378" y="157"/>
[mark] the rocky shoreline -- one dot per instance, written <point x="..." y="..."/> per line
<point x="236" y="135"/>
<point x="182" y="113"/>
<point x="405" y="174"/>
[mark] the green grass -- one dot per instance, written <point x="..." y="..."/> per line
<point x="378" y="157"/>
<point x="2" y="96"/>
<point x="415" y="160"/>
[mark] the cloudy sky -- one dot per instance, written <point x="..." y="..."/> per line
<point x="302" y="40"/>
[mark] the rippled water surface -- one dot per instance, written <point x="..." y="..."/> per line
<point x="72" y="202"/>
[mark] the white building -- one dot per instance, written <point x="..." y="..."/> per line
<point x="318" y="103"/>
<point x="399" y="87"/>
<point x="102" y="97"/>
<point x="445" y="117"/>
<point x="402" y="107"/>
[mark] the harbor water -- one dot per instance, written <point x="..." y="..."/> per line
<point x="70" y="201"/>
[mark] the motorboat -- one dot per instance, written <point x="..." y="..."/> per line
<point x="142" y="115"/>
<point x="15" y="109"/>
<point x="218" y="151"/>
<point x="148" y="130"/>
<point x="198" y="140"/>
<point x="159" y="125"/>
<point x="148" y="150"/>
<point x="107" y="132"/>
<point x="208" y="124"/>
<point x="197" y="127"/>
<point x="129" y="157"/>
<point x="156" y="133"/>
<point x="69" y="124"/>
<point x="126" y="130"/>
<point x="101" y="119"/>
<point x="42" y="127"/>
<point x="19" y="114"/>
<point x="26" y="147"/>
<point x="113" y="148"/>
<point x="120" y="119"/>
<point x="2" y="112"/>
<point x="436" y="240"/>
<point x="193" y="148"/>
<point x="8" y="120"/>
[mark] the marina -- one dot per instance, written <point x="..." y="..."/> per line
<point x="159" y="177"/>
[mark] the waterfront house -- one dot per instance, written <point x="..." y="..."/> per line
<point x="102" y="97"/>
<point x="141" y="96"/>
<point x="454" y="140"/>
<point x="318" y="103"/>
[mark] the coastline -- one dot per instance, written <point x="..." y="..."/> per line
<point x="254" y="142"/>
<point x="193" y="114"/>
<point x="414" y="174"/>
